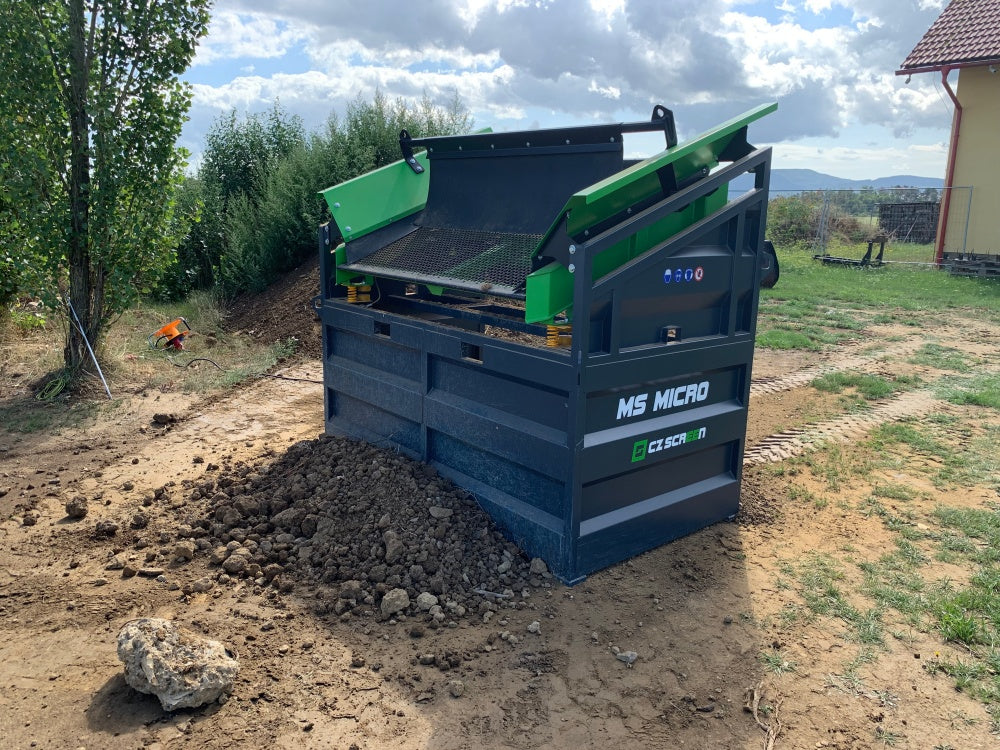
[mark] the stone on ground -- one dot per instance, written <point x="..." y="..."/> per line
<point x="179" y="667"/>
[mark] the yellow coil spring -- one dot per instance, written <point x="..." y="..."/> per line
<point x="359" y="293"/>
<point x="558" y="335"/>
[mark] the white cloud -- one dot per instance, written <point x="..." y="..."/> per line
<point x="256" y="35"/>
<point x="708" y="60"/>
<point x="609" y="92"/>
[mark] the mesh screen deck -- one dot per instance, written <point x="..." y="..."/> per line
<point x="496" y="261"/>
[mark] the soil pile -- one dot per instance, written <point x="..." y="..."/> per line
<point x="367" y="524"/>
<point x="282" y="311"/>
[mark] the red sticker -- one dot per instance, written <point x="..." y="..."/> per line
<point x="699" y="273"/>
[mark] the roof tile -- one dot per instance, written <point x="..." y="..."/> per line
<point x="966" y="31"/>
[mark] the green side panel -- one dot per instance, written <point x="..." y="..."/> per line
<point x="546" y="293"/>
<point x="550" y="290"/>
<point x="640" y="182"/>
<point x="378" y="198"/>
<point x="346" y="278"/>
<point x="658" y="233"/>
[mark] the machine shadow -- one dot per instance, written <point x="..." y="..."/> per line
<point x="684" y="608"/>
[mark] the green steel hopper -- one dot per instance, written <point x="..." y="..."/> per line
<point x="566" y="334"/>
<point x="501" y="214"/>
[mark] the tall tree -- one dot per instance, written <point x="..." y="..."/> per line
<point x="91" y="109"/>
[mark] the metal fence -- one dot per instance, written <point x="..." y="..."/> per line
<point x="844" y="222"/>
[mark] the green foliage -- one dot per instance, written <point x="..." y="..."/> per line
<point x="274" y="228"/>
<point x="982" y="390"/>
<point x="790" y="220"/>
<point x="899" y="288"/>
<point x="801" y="219"/>
<point x="943" y="358"/>
<point x="782" y="339"/>
<point x="871" y="387"/>
<point x="253" y="206"/>
<point x="28" y="320"/>
<point x="239" y="155"/>
<point x="92" y="107"/>
<point x="191" y="265"/>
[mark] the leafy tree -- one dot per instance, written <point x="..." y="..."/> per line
<point x="91" y="110"/>
<point x="239" y="154"/>
<point x="791" y="219"/>
<point x="270" y="230"/>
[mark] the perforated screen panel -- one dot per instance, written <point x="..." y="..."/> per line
<point x="493" y="261"/>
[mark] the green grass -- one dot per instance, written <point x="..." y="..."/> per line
<point x="820" y="578"/>
<point x="777" y="661"/>
<point x="815" y="306"/>
<point x="240" y="357"/>
<point x="28" y="320"/>
<point x="943" y="358"/>
<point x="906" y="432"/>
<point x="893" y="582"/>
<point x="887" y="737"/>
<point x="871" y="387"/>
<point x="784" y="339"/>
<point x="130" y="365"/>
<point x="980" y="390"/>
<point x="973" y="523"/>
<point x="904" y="288"/>
<point x="31" y="416"/>
<point x="894" y="491"/>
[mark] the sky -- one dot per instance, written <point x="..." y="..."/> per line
<point x="523" y="64"/>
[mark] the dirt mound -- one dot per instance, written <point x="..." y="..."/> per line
<point x="366" y="523"/>
<point x="760" y="505"/>
<point x="282" y="311"/>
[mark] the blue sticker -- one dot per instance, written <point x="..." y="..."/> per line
<point x="679" y="275"/>
<point x="667" y="275"/>
<point x="689" y="274"/>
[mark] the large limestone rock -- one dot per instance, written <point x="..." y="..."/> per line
<point x="395" y="600"/>
<point x="179" y="667"/>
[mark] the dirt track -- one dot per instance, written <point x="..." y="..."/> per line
<point x="699" y="612"/>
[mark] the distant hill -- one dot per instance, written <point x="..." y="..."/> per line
<point x="798" y="180"/>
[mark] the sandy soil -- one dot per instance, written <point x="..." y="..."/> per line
<point x="699" y="612"/>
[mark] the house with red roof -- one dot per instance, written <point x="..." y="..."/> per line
<point x="966" y="39"/>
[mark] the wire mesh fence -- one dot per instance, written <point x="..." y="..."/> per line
<point x="902" y="223"/>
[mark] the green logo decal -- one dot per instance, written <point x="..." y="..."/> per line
<point x="639" y="450"/>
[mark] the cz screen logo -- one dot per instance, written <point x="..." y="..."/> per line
<point x="642" y="448"/>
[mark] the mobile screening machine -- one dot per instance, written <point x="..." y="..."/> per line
<point x="565" y="333"/>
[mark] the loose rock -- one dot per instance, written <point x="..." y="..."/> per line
<point x="628" y="657"/>
<point x="394" y="601"/>
<point x="179" y="667"/>
<point x="538" y="567"/>
<point x="426" y="600"/>
<point x="106" y="528"/>
<point x="77" y="507"/>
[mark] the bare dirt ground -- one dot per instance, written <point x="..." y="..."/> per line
<point x="318" y="673"/>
